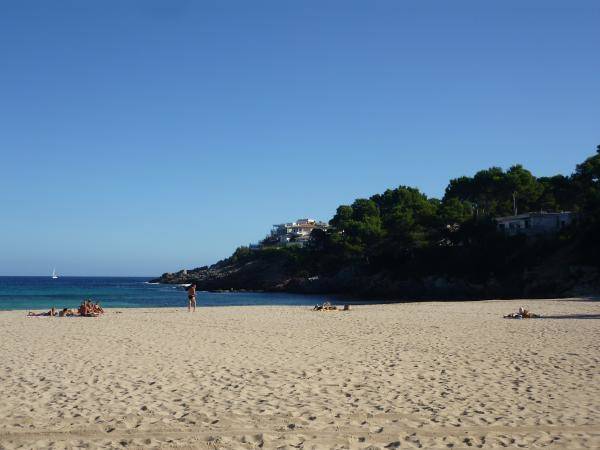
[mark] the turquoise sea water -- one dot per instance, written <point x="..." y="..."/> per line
<point x="39" y="293"/>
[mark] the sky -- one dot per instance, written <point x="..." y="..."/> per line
<point x="142" y="137"/>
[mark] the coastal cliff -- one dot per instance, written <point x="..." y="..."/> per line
<point x="556" y="277"/>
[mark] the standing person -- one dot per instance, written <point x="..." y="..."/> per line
<point x="192" y="297"/>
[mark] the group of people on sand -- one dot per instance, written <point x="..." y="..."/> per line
<point x="88" y="308"/>
<point x="523" y="313"/>
<point x="327" y="306"/>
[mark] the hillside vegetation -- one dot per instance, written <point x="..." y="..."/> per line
<point x="402" y="244"/>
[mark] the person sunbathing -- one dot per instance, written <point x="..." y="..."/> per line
<point x="325" y="307"/>
<point x="50" y="313"/>
<point x="67" y="312"/>
<point x="523" y="313"/>
<point x="529" y="315"/>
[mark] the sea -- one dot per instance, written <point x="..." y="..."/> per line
<point x="42" y="293"/>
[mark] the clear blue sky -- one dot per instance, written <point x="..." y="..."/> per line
<point x="143" y="137"/>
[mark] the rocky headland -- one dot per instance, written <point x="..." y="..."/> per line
<point x="549" y="280"/>
<point x="472" y="244"/>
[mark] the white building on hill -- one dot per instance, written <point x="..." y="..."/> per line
<point x="294" y="233"/>
<point x="535" y="223"/>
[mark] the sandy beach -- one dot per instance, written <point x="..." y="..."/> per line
<point x="414" y="375"/>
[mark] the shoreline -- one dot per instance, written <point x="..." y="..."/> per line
<point x="427" y="294"/>
<point x="354" y="302"/>
<point x="351" y="301"/>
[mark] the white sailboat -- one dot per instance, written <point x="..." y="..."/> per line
<point x="54" y="273"/>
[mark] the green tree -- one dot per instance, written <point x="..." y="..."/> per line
<point x="409" y="221"/>
<point x="587" y="179"/>
<point x="342" y="217"/>
<point x="524" y="187"/>
<point x="455" y="211"/>
<point x="559" y="194"/>
<point x="488" y="191"/>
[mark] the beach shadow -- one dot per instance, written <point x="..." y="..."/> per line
<point x="573" y="316"/>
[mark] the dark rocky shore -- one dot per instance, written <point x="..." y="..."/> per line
<point x="547" y="281"/>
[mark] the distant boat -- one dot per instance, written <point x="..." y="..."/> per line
<point x="54" y="273"/>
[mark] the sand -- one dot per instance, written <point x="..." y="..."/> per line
<point x="416" y="375"/>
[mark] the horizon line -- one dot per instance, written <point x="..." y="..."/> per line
<point x="80" y="276"/>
